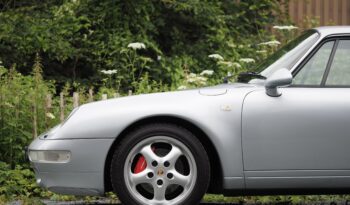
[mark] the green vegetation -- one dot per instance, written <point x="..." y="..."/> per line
<point x="115" y="46"/>
<point x="64" y="46"/>
<point x="78" y="39"/>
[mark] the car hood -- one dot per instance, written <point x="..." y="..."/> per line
<point x="174" y="97"/>
<point x="113" y="115"/>
<point x="222" y="89"/>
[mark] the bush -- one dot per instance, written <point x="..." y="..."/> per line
<point x="78" y="39"/>
<point x="17" y="182"/>
<point x="20" y="97"/>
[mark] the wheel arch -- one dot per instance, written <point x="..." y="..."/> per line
<point x="216" y="177"/>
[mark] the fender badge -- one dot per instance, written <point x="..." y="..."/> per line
<point x="226" y="108"/>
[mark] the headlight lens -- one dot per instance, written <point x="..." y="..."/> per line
<point x="49" y="156"/>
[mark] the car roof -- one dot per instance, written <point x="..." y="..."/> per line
<point x="329" y="30"/>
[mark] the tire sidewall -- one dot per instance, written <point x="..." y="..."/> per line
<point x="168" y="130"/>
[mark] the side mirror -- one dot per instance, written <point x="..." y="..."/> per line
<point x="281" y="77"/>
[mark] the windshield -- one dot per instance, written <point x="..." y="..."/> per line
<point x="289" y="54"/>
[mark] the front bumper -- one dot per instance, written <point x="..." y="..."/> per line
<point x="82" y="175"/>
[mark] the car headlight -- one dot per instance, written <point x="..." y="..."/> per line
<point x="49" y="156"/>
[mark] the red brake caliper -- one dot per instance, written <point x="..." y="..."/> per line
<point x="141" y="164"/>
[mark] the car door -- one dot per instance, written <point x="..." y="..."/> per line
<point x="302" y="138"/>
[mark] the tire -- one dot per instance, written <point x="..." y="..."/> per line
<point x="160" y="164"/>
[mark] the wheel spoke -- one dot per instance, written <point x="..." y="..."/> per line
<point x="173" y="155"/>
<point x="160" y="171"/>
<point x="159" y="192"/>
<point x="149" y="155"/>
<point x="180" y="179"/>
<point x="139" y="178"/>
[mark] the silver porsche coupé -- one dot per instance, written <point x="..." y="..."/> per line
<point x="281" y="130"/>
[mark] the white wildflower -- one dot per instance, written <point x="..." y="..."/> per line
<point x="202" y="79"/>
<point x="159" y="58"/>
<point x="109" y="72"/>
<point x="191" y="78"/>
<point x="236" y="65"/>
<point x="226" y="63"/>
<point x="216" y="56"/>
<point x="136" y="45"/>
<point x="270" y="43"/>
<point x="232" y="45"/>
<point x="9" y="105"/>
<point x="50" y="115"/>
<point x="288" y="28"/>
<point x="247" y="60"/>
<point x="182" y="87"/>
<point x="207" y="72"/>
<point x="262" y="51"/>
<point x="192" y="75"/>
<point x="230" y="64"/>
<point x="196" y="79"/>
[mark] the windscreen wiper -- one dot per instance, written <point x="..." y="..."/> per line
<point x="245" y="77"/>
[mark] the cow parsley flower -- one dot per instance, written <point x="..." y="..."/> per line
<point x="270" y="43"/>
<point x="207" y="72"/>
<point x="236" y="65"/>
<point x="262" y="51"/>
<point x="136" y="46"/>
<point x="247" y="60"/>
<point x="288" y="28"/>
<point x="232" y="45"/>
<point x="216" y="56"/>
<point x="9" y="105"/>
<point x="50" y="115"/>
<point x="109" y="72"/>
<point x="201" y="80"/>
<point x="225" y="63"/>
<point x="230" y="64"/>
<point x="191" y="78"/>
<point x="182" y="87"/>
<point x="192" y="75"/>
<point x="196" y="79"/>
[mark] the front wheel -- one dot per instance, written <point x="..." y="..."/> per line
<point x="160" y="164"/>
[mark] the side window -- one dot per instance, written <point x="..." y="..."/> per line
<point x="313" y="70"/>
<point x="339" y="73"/>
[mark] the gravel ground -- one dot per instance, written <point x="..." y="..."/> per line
<point x="103" y="202"/>
<point x="204" y="203"/>
<point x="109" y="202"/>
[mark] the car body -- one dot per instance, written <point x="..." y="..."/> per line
<point x="261" y="137"/>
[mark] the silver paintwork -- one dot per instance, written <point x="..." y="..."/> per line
<point x="298" y="140"/>
<point x="282" y="77"/>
